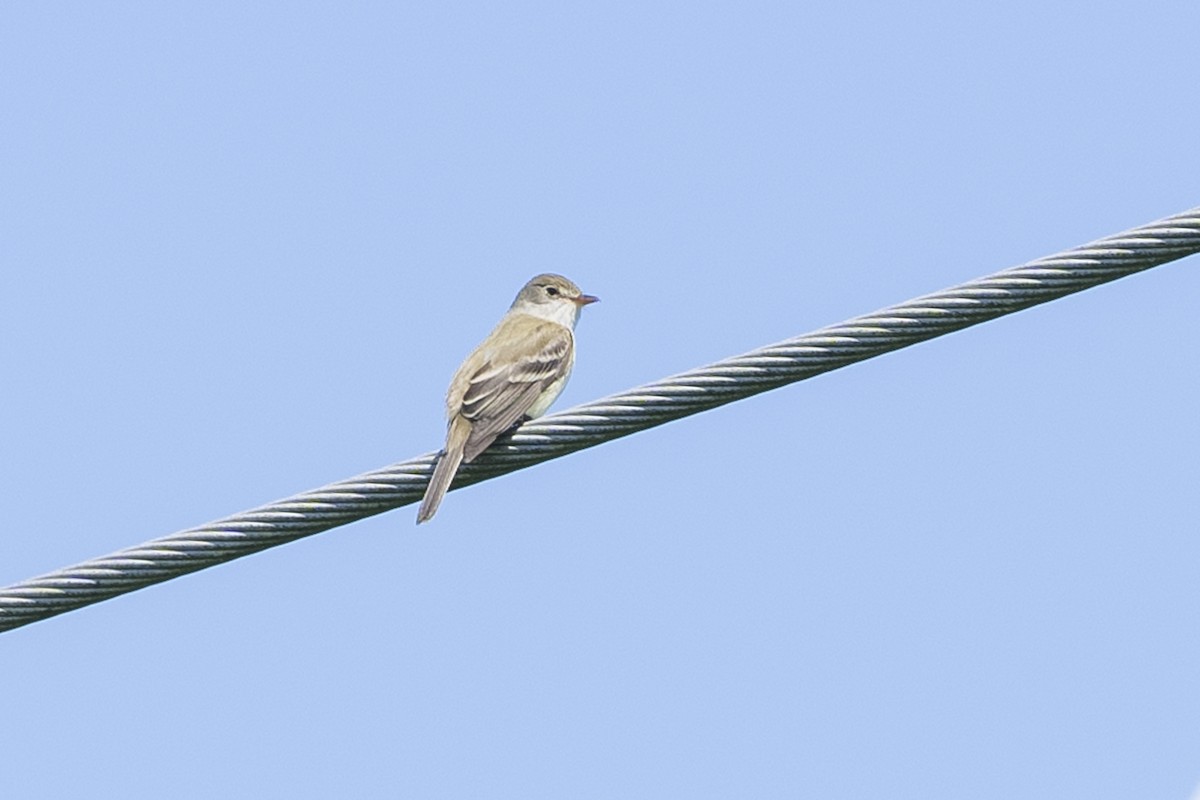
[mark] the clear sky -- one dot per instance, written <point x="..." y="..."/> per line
<point x="245" y="245"/>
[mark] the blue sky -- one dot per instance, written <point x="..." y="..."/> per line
<point x="246" y="245"/>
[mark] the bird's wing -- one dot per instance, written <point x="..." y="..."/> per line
<point x="499" y="384"/>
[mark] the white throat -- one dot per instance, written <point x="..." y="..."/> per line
<point x="563" y="311"/>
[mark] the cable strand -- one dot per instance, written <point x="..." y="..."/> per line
<point x="590" y="424"/>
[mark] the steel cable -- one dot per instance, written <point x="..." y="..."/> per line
<point x="609" y="418"/>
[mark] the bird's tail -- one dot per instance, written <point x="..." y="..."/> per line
<point x="447" y="466"/>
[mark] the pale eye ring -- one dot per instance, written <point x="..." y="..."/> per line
<point x="552" y="291"/>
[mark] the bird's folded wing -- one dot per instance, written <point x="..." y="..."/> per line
<point x="510" y="378"/>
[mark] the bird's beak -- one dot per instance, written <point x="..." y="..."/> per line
<point x="585" y="299"/>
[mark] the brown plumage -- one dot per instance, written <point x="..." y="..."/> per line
<point x="518" y="371"/>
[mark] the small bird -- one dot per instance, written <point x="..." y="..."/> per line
<point x="513" y="375"/>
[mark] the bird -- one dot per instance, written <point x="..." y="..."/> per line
<point x="515" y="374"/>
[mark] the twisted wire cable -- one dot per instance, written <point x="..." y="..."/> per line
<point x="600" y="421"/>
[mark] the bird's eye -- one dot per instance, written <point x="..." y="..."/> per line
<point x="552" y="291"/>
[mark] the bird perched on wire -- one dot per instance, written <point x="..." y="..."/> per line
<point x="514" y="374"/>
